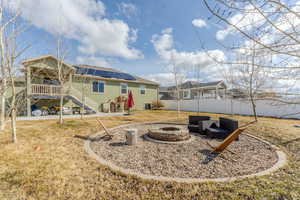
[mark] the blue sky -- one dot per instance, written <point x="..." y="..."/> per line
<point x="141" y="37"/>
<point x="143" y="29"/>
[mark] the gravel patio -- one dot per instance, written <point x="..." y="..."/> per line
<point x="187" y="160"/>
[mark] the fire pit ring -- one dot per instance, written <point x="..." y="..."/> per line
<point x="168" y="133"/>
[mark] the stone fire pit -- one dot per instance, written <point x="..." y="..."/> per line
<point x="170" y="133"/>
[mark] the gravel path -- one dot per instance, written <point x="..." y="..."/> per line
<point x="188" y="160"/>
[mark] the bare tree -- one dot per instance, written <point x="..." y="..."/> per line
<point x="276" y="26"/>
<point x="11" y="50"/>
<point x="3" y="72"/>
<point x="5" y="25"/>
<point x="83" y="93"/>
<point x="178" y="72"/>
<point x="249" y="79"/>
<point x="63" y="78"/>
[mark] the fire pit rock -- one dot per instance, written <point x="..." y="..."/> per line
<point x="167" y="132"/>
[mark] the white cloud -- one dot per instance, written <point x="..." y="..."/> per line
<point x="222" y="34"/>
<point x="83" y="21"/>
<point x="242" y="21"/>
<point x="199" y="23"/>
<point x="93" y="60"/>
<point x="188" y="63"/>
<point x="164" y="79"/>
<point x="164" y="46"/>
<point x="128" y="9"/>
<point x="252" y="18"/>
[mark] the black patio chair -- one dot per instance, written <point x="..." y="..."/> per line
<point x="225" y="128"/>
<point x="205" y="124"/>
<point x="194" y="123"/>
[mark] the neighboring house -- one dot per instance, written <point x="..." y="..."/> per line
<point x="102" y="87"/>
<point x="195" y="90"/>
<point x="236" y="93"/>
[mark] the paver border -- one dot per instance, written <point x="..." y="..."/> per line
<point x="281" y="162"/>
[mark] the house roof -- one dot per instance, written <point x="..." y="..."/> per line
<point x="107" y="73"/>
<point x="25" y="62"/>
<point x="195" y="84"/>
<point x="110" y="74"/>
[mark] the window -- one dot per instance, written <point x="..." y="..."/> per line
<point x="98" y="86"/>
<point x="124" y="88"/>
<point x="142" y="89"/>
<point x="186" y="94"/>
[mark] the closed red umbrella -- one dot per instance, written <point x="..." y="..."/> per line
<point x="130" y="101"/>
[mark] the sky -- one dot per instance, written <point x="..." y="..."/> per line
<point x="134" y="36"/>
<point x="140" y="37"/>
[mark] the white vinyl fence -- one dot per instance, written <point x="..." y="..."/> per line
<point x="228" y="106"/>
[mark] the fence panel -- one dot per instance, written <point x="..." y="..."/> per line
<point x="228" y="106"/>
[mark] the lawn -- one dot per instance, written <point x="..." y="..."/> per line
<point x="50" y="163"/>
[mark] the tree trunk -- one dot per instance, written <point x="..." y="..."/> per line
<point x="61" y="104"/>
<point x="14" y="125"/>
<point x="253" y="108"/>
<point x="13" y="113"/>
<point x="83" y="100"/>
<point x="3" y="73"/>
<point x="178" y="104"/>
<point x="2" y="113"/>
<point x="178" y="95"/>
<point x="251" y="84"/>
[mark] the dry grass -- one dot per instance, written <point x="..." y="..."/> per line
<point x="50" y="163"/>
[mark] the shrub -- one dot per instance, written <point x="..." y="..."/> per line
<point x="157" y="104"/>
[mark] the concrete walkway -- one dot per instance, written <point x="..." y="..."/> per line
<point x="68" y="116"/>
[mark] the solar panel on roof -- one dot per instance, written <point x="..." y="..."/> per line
<point x="102" y="73"/>
<point x="80" y="70"/>
<point x="91" y="71"/>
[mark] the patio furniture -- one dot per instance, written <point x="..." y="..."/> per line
<point x="107" y="133"/>
<point x="233" y="136"/>
<point x="204" y="125"/>
<point x="226" y="127"/>
<point x="194" y="122"/>
<point x="36" y="113"/>
<point x="76" y="110"/>
<point x="67" y="111"/>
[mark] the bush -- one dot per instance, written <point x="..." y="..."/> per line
<point x="157" y="104"/>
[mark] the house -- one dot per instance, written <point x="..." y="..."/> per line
<point x="97" y="89"/>
<point x="194" y="90"/>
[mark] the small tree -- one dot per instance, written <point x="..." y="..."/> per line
<point x="11" y="50"/>
<point x="177" y="70"/>
<point x="83" y="93"/>
<point x="3" y="72"/>
<point x="61" y="54"/>
<point x="250" y="78"/>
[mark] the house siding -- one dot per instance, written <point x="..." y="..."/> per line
<point x="112" y="90"/>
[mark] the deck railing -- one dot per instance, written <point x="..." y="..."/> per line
<point x="50" y="90"/>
